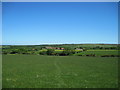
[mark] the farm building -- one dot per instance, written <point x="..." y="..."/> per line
<point x="79" y="49"/>
<point x="54" y="48"/>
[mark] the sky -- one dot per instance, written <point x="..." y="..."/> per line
<point x="34" y="23"/>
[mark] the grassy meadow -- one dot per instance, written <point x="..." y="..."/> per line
<point x="36" y="71"/>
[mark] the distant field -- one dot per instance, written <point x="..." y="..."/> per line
<point x="57" y="50"/>
<point x="34" y="71"/>
<point x="99" y="52"/>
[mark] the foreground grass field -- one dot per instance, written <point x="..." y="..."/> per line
<point x="34" y="71"/>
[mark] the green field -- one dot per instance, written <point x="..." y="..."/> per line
<point x="35" y="71"/>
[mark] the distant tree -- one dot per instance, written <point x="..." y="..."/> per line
<point x="50" y="51"/>
<point x="101" y="48"/>
<point x="84" y="49"/>
<point x="113" y="47"/>
<point x="68" y="51"/>
<point x="106" y="48"/>
<point x="81" y="47"/>
<point x="43" y="53"/>
<point x="13" y="52"/>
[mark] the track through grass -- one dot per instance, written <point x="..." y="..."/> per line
<point x="58" y="77"/>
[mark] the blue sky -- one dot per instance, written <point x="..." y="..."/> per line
<point x="31" y="23"/>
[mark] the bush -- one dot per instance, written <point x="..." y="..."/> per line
<point x="13" y="52"/>
<point x="67" y="52"/>
<point x="110" y="56"/>
<point x="4" y="53"/>
<point x="43" y="53"/>
<point x="93" y="55"/>
<point x="80" y="55"/>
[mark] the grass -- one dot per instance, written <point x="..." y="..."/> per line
<point x="35" y="71"/>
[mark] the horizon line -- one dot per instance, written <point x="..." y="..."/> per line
<point x="58" y="44"/>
